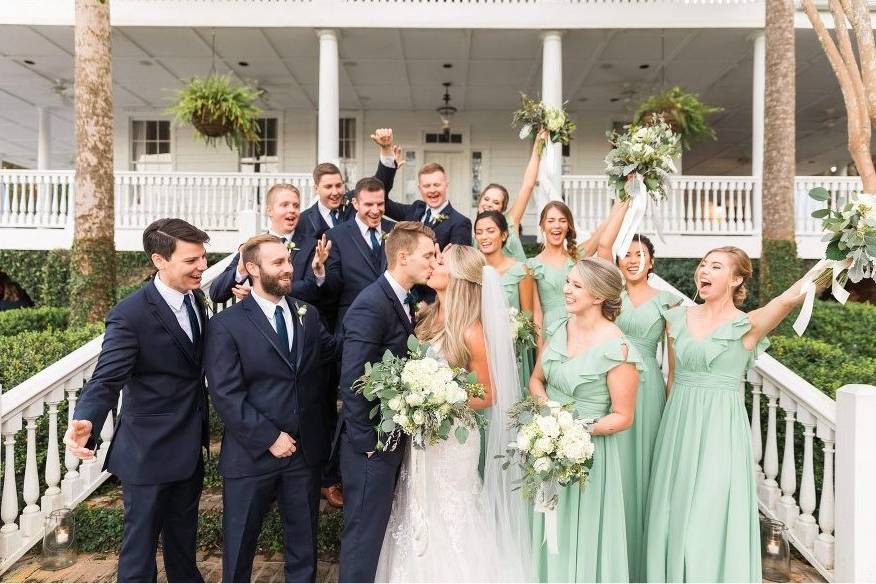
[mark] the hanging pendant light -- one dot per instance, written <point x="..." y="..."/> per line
<point x="446" y="111"/>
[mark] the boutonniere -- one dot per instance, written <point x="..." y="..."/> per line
<point x="436" y="219"/>
<point x="300" y="310"/>
<point x="290" y="245"/>
<point x="383" y="236"/>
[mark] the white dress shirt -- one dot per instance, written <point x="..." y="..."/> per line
<point x="363" y="229"/>
<point x="435" y="211"/>
<point x="269" y="308"/>
<point x="326" y="213"/>
<point x="175" y="300"/>
<point x="400" y="292"/>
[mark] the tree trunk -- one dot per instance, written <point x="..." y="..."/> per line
<point x="779" y="164"/>
<point x="93" y="260"/>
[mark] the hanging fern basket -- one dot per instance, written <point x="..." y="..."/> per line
<point x="210" y="125"/>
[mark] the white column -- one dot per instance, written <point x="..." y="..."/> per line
<point x="551" y="171"/>
<point x="855" y="476"/>
<point x="329" y="108"/>
<point x="757" y="104"/>
<point x="44" y="139"/>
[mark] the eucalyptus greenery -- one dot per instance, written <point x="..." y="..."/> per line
<point x="683" y="111"/>
<point x="216" y="101"/>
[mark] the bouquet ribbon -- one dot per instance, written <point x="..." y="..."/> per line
<point x="546" y="502"/>
<point x="809" y="288"/>
<point x="418" y="475"/>
<point x="641" y="205"/>
<point x="547" y="185"/>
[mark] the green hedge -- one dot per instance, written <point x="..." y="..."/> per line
<point x="825" y="366"/>
<point x="99" y="529"/>
<point x="19" y="320"/>
<point x="28" y="353"/>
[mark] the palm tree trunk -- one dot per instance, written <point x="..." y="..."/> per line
<point x="778" y="260"/>
<point x="93" y="260"/>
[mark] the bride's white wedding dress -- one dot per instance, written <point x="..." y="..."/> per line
<point x="439" y="529"/>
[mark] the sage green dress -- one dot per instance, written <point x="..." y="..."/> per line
<point x="550" y="281"/>
<point x="525" y="357"/>
<point x="644" y="327"/>
<point x="513" y="247"/>
<point x="591" y="526"/>
<point x="702" y="520"/>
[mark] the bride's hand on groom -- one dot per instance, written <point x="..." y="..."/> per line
<point x="283" y="446"/>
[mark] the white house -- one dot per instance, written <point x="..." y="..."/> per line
<point x="333" y="70"/>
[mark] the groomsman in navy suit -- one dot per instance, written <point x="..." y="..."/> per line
<point x="152" y="354"/>
<point x="333" y="205"/>
<point x="380" y="319"/>
<point x="264" y="358"/>
<point x="283" y="208"/>
<point x="358" y="258"/>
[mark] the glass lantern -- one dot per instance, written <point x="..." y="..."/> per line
<point x="59" y="539"/>
<point x="775" y="550"/>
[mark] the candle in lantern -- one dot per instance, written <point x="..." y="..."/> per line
<point x="61" y="536"/>
<point x="772" y="546"/>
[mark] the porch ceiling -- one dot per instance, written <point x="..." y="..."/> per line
<point x="606" y="73"/>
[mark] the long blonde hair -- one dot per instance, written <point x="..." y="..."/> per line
<point x="463" y="297"/>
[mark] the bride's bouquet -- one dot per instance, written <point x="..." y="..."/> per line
<point x="419" y="395"/>
<point x="535" y="116"/>
<point x="850" y="253"/>
<point x="523" y="330"/>
<point x="639" y="167"/>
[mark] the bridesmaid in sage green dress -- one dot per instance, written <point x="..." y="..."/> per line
<point x="643" y="321"/>
<point x="702" y="519"/>
<point x="495" y="197"/>
<point x="491" y="233"/>
<point x="587" y="362"/>
<point x="559" y="254"/>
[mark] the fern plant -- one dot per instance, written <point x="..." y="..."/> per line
<point x="683" y="111"/>
<point x="218" y="108"/>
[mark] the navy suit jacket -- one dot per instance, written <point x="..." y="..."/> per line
<point x="259" y="389"/>
<point x="162" y="425"/>
<point x="375" y="322"/>
<point x="311" y="219"/>
<point x="351" y="266"/>
<point x="303" y="281"/>
<point x="456" y="228"/>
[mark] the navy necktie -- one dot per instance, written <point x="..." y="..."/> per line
<point x="375" y="243"/>
<point x="428" y="218"/>
<point x="193" y="319"/>
<point x="336" y="217"/>
<point x="282" y="332"/>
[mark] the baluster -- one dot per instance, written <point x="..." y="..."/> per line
<point x="824" y="543"/>
<point x="769" y="489"/>
<point x="52" y="498"/>
<point x="31" y="518"/>
<point x="106" y="436"/>
<point x="10" y="536"/>
<point x="756" y="382"/>
<point x="787" y="509"/>
<point x="805" y="527"/>
<point x="71" y="486"/>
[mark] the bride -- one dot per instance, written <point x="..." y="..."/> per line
<point x="446" y="523"/>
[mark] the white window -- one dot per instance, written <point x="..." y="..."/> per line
<point x="150" y="146"/>
<point x="347" y="148"/>
<point x="262" y="156"/>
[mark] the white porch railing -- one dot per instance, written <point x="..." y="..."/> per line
<point x="229" y="206"/>
<point x="844" y="426"/>
<point x="22" y="406"/>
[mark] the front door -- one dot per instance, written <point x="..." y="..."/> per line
<point x="458" y="177"/>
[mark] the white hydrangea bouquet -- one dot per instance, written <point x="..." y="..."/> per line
<point x="420" y="396"/>
<point x="851" y="249"/>
<point x="535" y="116"/>
<point x="640" y="168"/>
<point x="523" y="329"/>
<point x="553" y="449"/>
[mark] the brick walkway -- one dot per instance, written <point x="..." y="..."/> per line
<point x="102" y="568"/>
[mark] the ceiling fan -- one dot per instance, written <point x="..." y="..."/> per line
<point x="64" y="90"/>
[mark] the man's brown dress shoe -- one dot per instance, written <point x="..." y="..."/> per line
<point x="334" y="495"/>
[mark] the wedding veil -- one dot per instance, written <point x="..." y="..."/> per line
<point x="510" y="513"/>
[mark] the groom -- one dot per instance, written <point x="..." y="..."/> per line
<point x="380" y="319"/>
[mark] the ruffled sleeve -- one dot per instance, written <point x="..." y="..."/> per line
<point x="536" y="268"/>
<point x="552" y="330"/>
<point x="675" y="320"/>
<point x="666" y="301"/>
<point x="734" y="331"/>
<point x="515" y="273"/>
<point x="613" y="355"/>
